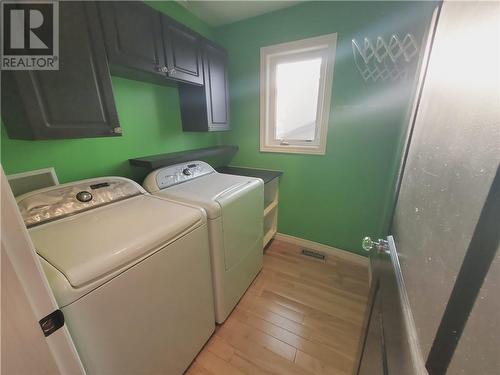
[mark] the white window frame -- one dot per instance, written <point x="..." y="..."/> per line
<point x="324" y="46"/>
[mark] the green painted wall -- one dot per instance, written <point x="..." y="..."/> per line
<point x="179" y="13"/>
<point x="149" y="115"/>
<point x="338" y="198"/>
<point x="334" y="199"/>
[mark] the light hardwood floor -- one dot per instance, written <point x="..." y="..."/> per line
<point x="300" y="316"/>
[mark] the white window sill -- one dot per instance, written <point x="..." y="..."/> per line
<point x="292" y="149"/>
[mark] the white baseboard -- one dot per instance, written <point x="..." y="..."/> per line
<point x="328" y="250"/>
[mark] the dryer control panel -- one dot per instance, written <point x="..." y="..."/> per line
<point x="176" y="174"/>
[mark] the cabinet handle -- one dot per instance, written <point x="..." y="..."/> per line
<point x="162" y="69"/>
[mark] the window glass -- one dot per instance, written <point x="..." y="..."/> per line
<point x="297" y="89"/>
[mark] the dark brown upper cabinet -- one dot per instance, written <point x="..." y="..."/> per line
<point x="141" y="40"/>
<point x="72" y="102"/>
<point x="207" y="108"/>
<point x="77" y="100"/>
<point x="182" y="52"/>
<point x="133" y="37"/>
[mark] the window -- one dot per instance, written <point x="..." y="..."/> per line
<point x="295" y="98"/>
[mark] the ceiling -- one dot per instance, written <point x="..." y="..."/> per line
<point x="217" y="13"/>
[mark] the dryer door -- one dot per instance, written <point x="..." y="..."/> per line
<point x="242" y="221"/>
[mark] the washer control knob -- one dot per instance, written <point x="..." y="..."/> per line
<point x="84" y="196"/>
<point x="187" y="172"/>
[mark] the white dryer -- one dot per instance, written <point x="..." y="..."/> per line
<point x="130" y="271"/>
<point x="234" y="207"/>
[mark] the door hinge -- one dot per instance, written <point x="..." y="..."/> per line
<point x="52" y="322"/>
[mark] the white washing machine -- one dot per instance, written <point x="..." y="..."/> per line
<point x="234" y="207"/>
<point x="130" y="271"/>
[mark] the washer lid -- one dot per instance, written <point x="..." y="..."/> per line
<point x="209" y="191"/>
<point x="95" y="243"/>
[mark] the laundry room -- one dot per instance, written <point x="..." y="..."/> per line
<point x="250" y="187"/>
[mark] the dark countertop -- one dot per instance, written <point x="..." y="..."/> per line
<point x="217" y="155"/>
<point x="263" y="174"/>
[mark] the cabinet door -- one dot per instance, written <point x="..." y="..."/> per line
<point x="207" y="108"/>
<point x="216" y="86"/>
<point x="72" y="102"/>
<point x="132" y="35"/>
<point x="182" y="52"/>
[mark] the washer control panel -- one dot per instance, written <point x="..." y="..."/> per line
<point x="60" y="201"/>
<point x="84" y="196"/>
<point x="176" y="174"/>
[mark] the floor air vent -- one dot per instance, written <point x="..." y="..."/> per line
<point x="313" y="254"/>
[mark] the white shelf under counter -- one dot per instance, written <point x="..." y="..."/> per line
<point x="271" y="195"/>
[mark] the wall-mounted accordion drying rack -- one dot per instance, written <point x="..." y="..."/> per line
<point x="384" y="61"/>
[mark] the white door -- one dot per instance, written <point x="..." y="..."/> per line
<point x="26" y="299"/>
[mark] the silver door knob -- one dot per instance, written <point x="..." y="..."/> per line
<point x="367" y="244"/>
<point x="381" y="245"/>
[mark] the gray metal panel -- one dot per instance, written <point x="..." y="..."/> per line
<point x="373" y="354"/>
<point x="478" y="351"/>
<point x="453" y="156"/>
<point x="402" y="348"/>
<point x="390" y="345"/>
